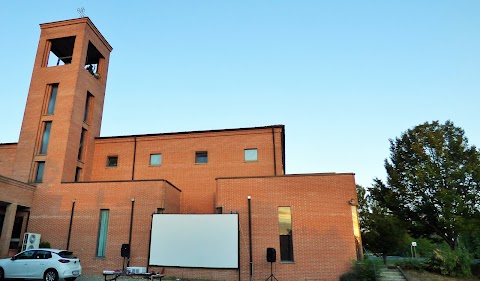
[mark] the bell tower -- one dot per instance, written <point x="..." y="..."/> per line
<point x="64" y="107"/>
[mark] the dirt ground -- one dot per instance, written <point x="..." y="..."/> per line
<point x="427" y="276"/>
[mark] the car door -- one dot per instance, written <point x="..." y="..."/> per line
<point x="18" y="265"/>
<point x="39" y="263"/>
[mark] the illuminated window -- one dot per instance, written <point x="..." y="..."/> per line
<point x="285" y="232"/>
<point x="250" y="154"/>
<point x="201" y="157"/>
<point x="155" y="159"/>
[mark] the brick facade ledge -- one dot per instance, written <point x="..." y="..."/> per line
<point x="290" y="175"/>
<point x="132" y="181"/>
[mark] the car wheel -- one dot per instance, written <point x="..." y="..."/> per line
<point x="2" y="274"/>
<point x="70" y="278"/>
<point x="50" y="275"/>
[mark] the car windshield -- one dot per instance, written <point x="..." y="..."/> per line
<point x="67" y="255"/>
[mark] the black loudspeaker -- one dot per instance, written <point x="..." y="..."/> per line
<point x="271" y="255"/>
<point x="125" y="251"/>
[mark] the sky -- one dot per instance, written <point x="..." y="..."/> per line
<point x="344" y="77"/>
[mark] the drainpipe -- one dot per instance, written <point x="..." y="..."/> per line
<point x="274" y="153"/>
<point x="71" y="222"/>
<point x="130" y="234"/>
<point x="134" y="154"/>
<point x="250" y="235"/>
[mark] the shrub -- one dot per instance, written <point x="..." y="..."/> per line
<point x="411" y="264"/>
<point x="452" y="263"/>
<point x="44" y="245"/>
<point x="361" y="271"/>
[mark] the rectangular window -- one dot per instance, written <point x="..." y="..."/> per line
<point x="46" y="136"/>
<point x="112" y="161"/>
<point x="61" y="51"/>
<point x="250" y="154"/>
<point x="102" y="233"/>
<point x="52" y="98"/>
<point x="201" y="157"/>
<point x="82" y="140"/>
<point x="88" y="105"/>
<point x="285" y="231"/>
<point x="155" y="159"/>
<point x="78" y="174"/>
<point x="40" y="169"/>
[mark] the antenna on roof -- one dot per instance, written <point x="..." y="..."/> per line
<point x="81" y="12"/>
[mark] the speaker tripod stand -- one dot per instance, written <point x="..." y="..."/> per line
<point x="271" y="277"/>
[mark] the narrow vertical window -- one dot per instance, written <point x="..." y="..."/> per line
<point x="40" y="169"/>
<point x="78" y="174"/>
<point x="82" y="141"/>
<point x="102" y="233"/>
<point x="88" y="102"/>
<point x="52" y="98"/>
<point x="285" y="232"/>
<point x="201" y="157"/>
<point x="250" y="154"/>
<point x="45" y="138"/>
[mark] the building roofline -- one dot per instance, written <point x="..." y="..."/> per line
<point x="77" y="21"/>
<point x="113" y="181"/>
<point x="9" y="143"/>
<point x="289" y="175"/>
<point x="195" y="132"/>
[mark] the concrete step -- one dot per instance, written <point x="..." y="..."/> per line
<point x="391" y="274"/>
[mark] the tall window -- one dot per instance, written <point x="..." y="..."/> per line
<point x="39" y="174"/>
<point x="102" y="233"/>
<point x="88" y="105"/>
<point x="52" y="99"/>
<point x="285" y="232"/>
<point x="201" y="157"/>
<point x="82" y="140"/>
<point x="78" y="174"/>
<point x="250" y="154"/>
<point x="46" y="136"/>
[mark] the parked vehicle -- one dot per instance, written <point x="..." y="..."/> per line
<point x="46" y="264"/>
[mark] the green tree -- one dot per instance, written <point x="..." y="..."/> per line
<point x="433" y="181"/>
<point x="381" y="232"/>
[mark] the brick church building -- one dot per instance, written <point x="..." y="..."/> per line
<point x="91" y="194"/>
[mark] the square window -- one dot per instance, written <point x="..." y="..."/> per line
<point x="112" y="161"/>
<point x="201" y="157"/>
<point x="250" y="154"/>
<point x="155" y="159"/>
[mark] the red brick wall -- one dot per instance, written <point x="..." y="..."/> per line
<point x="52" y="207"/>
<point x="67" y="120"/>
<point x="323" y="239"/>
<point x="7" y="158"/>
<point x="197" y="181"/>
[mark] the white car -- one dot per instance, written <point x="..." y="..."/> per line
<point x="46" y="264"/>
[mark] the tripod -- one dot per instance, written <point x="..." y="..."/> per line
<point x="271" y="277"/>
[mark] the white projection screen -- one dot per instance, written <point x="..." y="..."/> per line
<point x="202" y="241"/>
